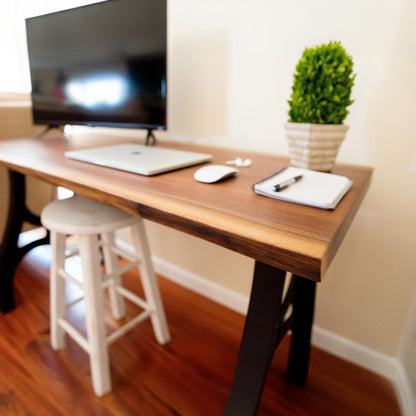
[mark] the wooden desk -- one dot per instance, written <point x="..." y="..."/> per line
<point x="279" y="235"/>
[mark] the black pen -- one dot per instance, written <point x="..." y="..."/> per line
<point x="283" y="185"/>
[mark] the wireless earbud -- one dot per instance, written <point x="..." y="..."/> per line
<point x="239" y="162"/>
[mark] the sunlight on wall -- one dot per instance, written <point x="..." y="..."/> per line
<point x="14" y="70"/>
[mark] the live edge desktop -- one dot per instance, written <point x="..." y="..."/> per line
<point x="100" y="65"/>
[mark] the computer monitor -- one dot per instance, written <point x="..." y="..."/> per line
<point x="102" y="64"/>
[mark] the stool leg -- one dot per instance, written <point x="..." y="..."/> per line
<point x="150" y="286"/>
<point x="57" y="290"/>
<point x="111" y="264"/>
<point x="99" y="361"/>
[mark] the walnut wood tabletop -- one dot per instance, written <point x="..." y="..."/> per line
<point x="299" y="239"/>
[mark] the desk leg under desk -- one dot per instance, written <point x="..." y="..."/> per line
<point x="266" y="325"/>
<point x="10" y="253"/>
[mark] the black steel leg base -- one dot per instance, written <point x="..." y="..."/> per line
<point x="10" y="253"/>
<point x="266" y="324"/>
<point x="303" y="309"/>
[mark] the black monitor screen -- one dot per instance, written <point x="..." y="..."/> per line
<point x="100" y="65"/>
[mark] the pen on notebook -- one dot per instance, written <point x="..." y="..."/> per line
<point x="283" y="185"/>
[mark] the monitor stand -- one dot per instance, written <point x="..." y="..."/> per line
<point x="47" y="128"/>
<point x="150" y="137"/>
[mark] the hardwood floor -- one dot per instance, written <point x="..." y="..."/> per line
<point x="191" y="376"/>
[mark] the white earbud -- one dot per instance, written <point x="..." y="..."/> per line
<point x="239" y="162"/>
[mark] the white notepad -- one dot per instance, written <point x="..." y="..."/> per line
<point x="144" y="160"/>
<point x="317" y="189"/>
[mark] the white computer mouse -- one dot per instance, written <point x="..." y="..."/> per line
<point x="214" y="173"/>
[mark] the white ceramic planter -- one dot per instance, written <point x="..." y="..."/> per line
<point x="314" y="146"/>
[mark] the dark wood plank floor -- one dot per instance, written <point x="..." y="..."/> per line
<point x="190" y="376"/>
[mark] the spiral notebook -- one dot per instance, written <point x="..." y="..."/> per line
<point x="317" y="189"/>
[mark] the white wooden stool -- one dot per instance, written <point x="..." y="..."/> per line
<point x="96" y="223"/>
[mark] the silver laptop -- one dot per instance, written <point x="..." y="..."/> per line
<point x="144" y="160"/>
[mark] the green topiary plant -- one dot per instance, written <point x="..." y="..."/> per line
<point x="322" y="85"/>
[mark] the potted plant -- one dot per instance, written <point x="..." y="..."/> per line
<point x="318" y="106"/>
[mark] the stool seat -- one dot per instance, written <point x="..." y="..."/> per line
<point x="79" y="215"/>
<point x="96" y="224"/>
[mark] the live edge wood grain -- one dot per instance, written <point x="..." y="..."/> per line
<point x="302" y="240"/>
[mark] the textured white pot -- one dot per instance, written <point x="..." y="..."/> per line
<point x="314" y="146"/>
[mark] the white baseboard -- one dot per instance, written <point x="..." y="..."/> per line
<point x="344" y="348"/>
<point x="351" y="351"/>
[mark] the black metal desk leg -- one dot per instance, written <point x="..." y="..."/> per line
<point x="303" y="309"/>
<point x="10" y="253"/>
<point x="259" y="341"/>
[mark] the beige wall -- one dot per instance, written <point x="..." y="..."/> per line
<point x="230" y="74"/>
<point x="16" y="121"/>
